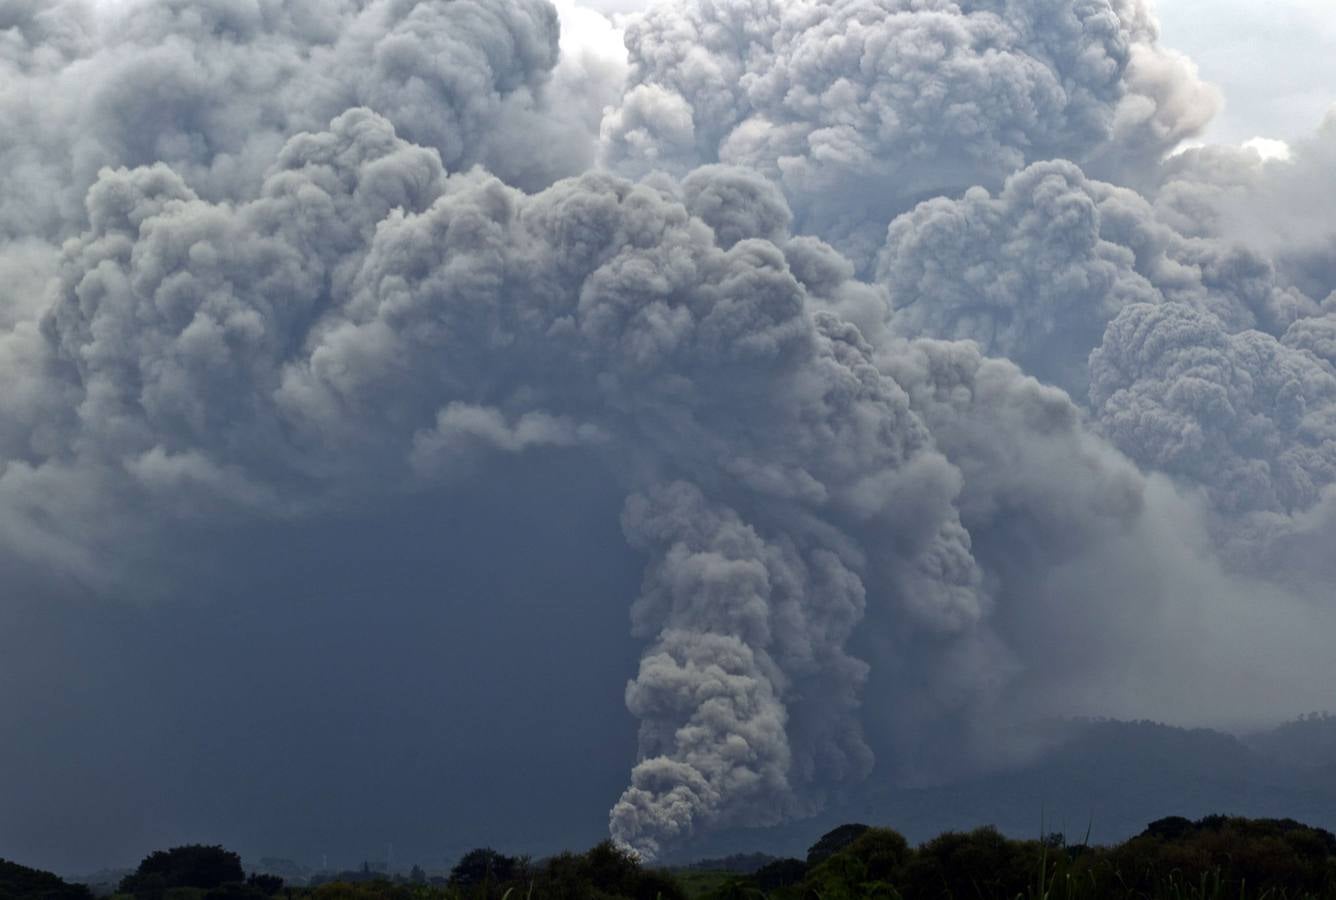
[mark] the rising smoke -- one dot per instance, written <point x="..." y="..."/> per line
<point x="891" y="320"/>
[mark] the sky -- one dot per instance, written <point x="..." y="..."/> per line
<point x="443" y="424"/>
<point x="287" y="721"/>
<point x="1271" y="61"/>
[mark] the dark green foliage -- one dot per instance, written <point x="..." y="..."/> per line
<point x="781" y="873"/>
<point x="1279" y="853"/>
<point x="1173" y="859"/>
<point x="237" y="890"/>
<point x="604" y="873"/>
<point x="1170" y="828"/>
<point x="375" y="890"/>
<point x="737" y="889"/>
<point x="483" y="866"/>
<point x="978" y="863"/>
<point x="833" y="842"/>
<point x="1214" y="858"/>
<point x="193" y="866"/>
<point x="266" y="884"/>
<point x="699" y="883"/>
<point x="868" y="866"/>
<point x="611" y="869"/>
<point x="21" y="883"/>
<point x="354" y="876"/>
<point x="875" y="857"/>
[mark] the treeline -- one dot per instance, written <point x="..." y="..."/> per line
<point x="1214" y="857"/>
<point x="20" y="883"/>
<point x="199" y="872"/>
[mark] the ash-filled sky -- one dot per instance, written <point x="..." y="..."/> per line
<point x="479" y="422"/>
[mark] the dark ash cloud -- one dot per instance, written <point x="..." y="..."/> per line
<point x="270" y="267"/>
<point x="860" y="108"/>
<point x="1036" y="272"/>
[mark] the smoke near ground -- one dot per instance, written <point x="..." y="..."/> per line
<point x="934" y="392"/>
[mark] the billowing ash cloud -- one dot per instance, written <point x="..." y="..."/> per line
<point x="215" y="89"/>
<point x="1081" y="550"/>
<point x="1036" y="272"/>
<point x="1200" y="356"/>
<point x="747" y="696"/>
<point x="265" y="262"/>
<point x="1245" y="415"/>
<point x="1278" y="206"/>
<point x="366" y="321"/>
<point x="861" y="106"/>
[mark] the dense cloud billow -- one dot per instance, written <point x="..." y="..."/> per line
<point x="215" y="89"/>
<point x="860" y="107"/>
<point x="1252" y="420"/>
<point x="1278" y="206"/>
<point x="366" y="321"/>
<point x="1038" y="271"/>
<point x="268" y="266"/>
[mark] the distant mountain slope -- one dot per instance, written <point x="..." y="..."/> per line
<point x="1108" y="776"/>
<point x="1309" y="742"/>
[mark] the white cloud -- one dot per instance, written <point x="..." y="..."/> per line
<point x="1274" y="61"/>
<point x="1268" y="148"/>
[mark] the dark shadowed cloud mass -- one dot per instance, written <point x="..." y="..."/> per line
<point x="383" y="376"/>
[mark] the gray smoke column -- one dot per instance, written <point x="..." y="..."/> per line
<point x="267" y="262"/>
<point x="367" y="323"/>
<point x="860" y="107"/>
<point x="740" y="625"/>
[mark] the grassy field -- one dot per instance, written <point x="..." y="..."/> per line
<point x="698" y="884"/>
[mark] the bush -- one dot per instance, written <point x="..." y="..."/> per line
<point x="21" y="883"/>
<point x="267" y="884"/>
<point x="605" y="871"/>
<point x="833" y="842"/>
<point x="483" y="866"/>
<point x="192" y="866"/>
<point x="980" y="863"/>
<point x="867" y="867"/>
<point x="1281" y="854"/>
<point x="781" y="873"/>
<point x="237" y="890"/>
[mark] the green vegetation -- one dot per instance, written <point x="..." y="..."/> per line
<point x="212" y="873"/>
<point x="1172" y="859"/>
<point x="195" y="866"/>
<point x="21" y="882"/>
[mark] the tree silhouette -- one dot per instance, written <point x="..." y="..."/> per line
<point x="192" y="866"/>
<point x="483" y="866"/>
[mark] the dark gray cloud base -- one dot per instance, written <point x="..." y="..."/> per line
<point x="276" y="263"/>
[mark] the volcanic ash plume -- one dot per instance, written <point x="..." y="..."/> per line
<point x="367" y="321"/>
<point x="270" y="261"/>
<point x="858" y="108"/>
